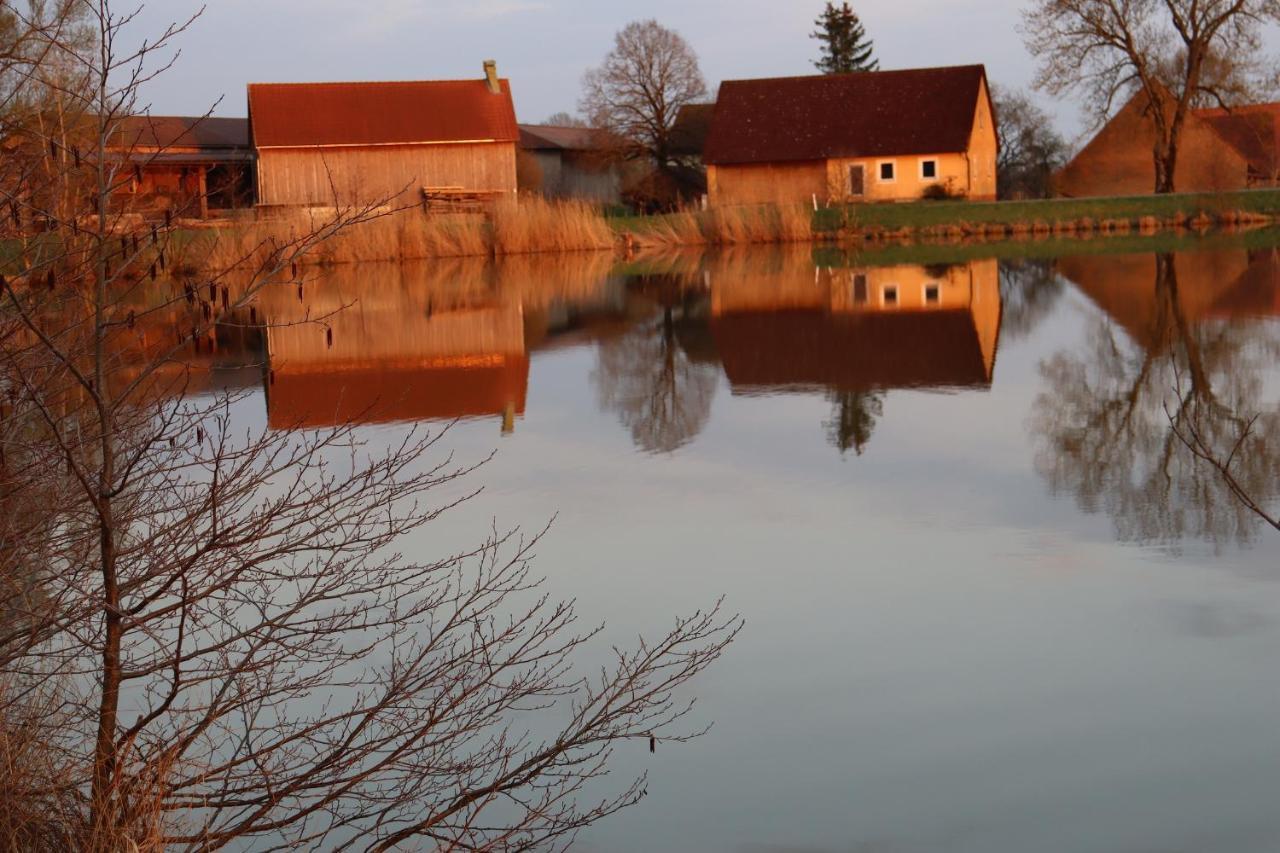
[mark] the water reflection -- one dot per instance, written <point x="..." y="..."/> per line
<point x="1173" y="341"/>
<point x="1174" y="345"/>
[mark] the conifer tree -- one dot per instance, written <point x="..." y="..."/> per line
<point x="845" y="45"/>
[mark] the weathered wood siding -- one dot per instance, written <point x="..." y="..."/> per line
<point x="288" y="176"/>
<point x="767" y="182"/>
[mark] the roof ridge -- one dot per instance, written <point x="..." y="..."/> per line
<point x="376" y="82"/>
<point x="892" y="71"/>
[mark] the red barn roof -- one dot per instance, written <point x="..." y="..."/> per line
<point x="1252" y="130"/>
<point x="882" y="113"/>
<point x="302" y="115"/>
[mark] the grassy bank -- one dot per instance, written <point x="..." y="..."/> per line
<point x="1120" y="214"/>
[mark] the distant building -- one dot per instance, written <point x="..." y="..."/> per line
<point x="1220" y="150"/>
<point x="571" y="163"/>
<point x="879" y="136"/>
<point x="689" y="133"/>
<point x="363" y="142"/>
<point x="186" y="165"/>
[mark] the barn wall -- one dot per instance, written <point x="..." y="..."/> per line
<point x="766" y="182"/>
<point x="1118" y="161"/>
<point x="303" y="175"/>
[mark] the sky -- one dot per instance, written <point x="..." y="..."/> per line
<point x="544" y="46"/>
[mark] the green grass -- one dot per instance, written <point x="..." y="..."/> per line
<point x="925" y="214"/>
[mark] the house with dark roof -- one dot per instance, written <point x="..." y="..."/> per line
<point x="1219" y="150"/>
<point x="184" y="165"/>
<point x="569" y="162"/>
<point x="876" y="136"/>
<point x="324" y="143"/>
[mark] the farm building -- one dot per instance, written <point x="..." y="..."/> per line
<point x="1220" y="150"/>
<point x="878" y="136"/>
<point x="689" y="133"/>
<point x="358" y="143"/>
<point x="570" y="162"/>
<point x="187" y="165"/>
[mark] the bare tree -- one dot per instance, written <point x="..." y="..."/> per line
<point x="638" y="91"/>
<point x="1029" y="149"/>
<point x="214" y="638"/>
<point x="1175" y="54"/>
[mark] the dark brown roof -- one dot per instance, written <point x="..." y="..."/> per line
<point x="184" y="132"/>
<point x="689" y="133"/>
<point x="807" y="350"/>
<point x="918" y="111"/>
<point x="1252" y="130"/>
<point x="299" y="115"/>
<point x="550" y="137"/>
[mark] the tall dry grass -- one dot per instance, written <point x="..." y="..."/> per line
<point x="528" y="226"/>
<point x="535" y="225"/>
<point x="730" y="226"/>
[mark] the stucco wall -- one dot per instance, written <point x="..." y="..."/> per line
<point x="767" y="182"/>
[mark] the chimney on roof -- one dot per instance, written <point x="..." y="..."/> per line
<point x="491" y="76"/>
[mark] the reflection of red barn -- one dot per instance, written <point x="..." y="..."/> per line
<point x="478" y="386"/>
<point x="813" y="350"/>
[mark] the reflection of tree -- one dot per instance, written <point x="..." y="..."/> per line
<point x="1108" y="423"/>
<point x="853" y="419"/>
<point x="661" y="393"/>
<point x="1029" y="289"/>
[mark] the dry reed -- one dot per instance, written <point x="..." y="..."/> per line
<point x="531" y="225"/>
<point x="731" y="226"/>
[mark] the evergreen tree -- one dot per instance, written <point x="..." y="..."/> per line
<point x="845" y="45"/>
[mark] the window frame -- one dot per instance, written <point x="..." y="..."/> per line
<point x="885" y="302"/>
<point x="936" y="287"/>
<point x="937" y="172"/>
<point x="880" y="178"/>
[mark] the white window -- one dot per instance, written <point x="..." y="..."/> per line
<point x="889" y="295"/>
<point x="929" y="169"/>
<point x="887" y="171"/>
<point x="932" y="293"/>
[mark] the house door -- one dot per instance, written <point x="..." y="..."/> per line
<point x="857" y="180"/>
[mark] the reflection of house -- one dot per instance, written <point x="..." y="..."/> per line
<point x="888" y="135"/>
<point x="857" y="329"/>
<point x="1219" y="150"/>
<point x="397" y="351"/>
<point x="1204" y="285"/>
<point x="370" y="141"/>
<point x="571" y="163"/>
<point x="187" y="165"/>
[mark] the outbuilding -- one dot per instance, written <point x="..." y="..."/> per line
<point x="328" y="144"/>
<point x="872" y="136"/>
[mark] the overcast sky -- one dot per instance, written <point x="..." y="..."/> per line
<point x="545" y="45"/>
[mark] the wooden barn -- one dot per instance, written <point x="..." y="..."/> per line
<point x="1220" y="150"/>
<point x="571" y="162"/>
<point x="355" y="143"/>
<point x="877" y="136"/>
<point x="185" y="165"/>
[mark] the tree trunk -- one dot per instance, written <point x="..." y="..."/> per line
<point x="1166" y="160"/>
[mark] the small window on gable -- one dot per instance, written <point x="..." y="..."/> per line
<point x="929" y="170"/>
<point x="859" y="289"/>
<point x="932" y="293"/>
<point x="889" y="296"/>
<point x="887" y="171"/>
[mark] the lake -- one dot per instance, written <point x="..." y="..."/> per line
<point x="993" y="602"/>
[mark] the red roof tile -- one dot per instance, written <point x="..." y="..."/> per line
<point x="1252" y="130"/>
<point x="918" y="111"/>
<point x="299" y="115"/>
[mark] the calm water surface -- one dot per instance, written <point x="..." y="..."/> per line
<point x="992" y="603"/>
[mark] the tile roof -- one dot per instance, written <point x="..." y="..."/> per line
<point x="550" y="137"/>
<point x="1252" y="130"/>
<point x="184" y="132"/>
<point x="917" y="111"/>
<point x="689" y="133"/>
<point x="300" y="115"/>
